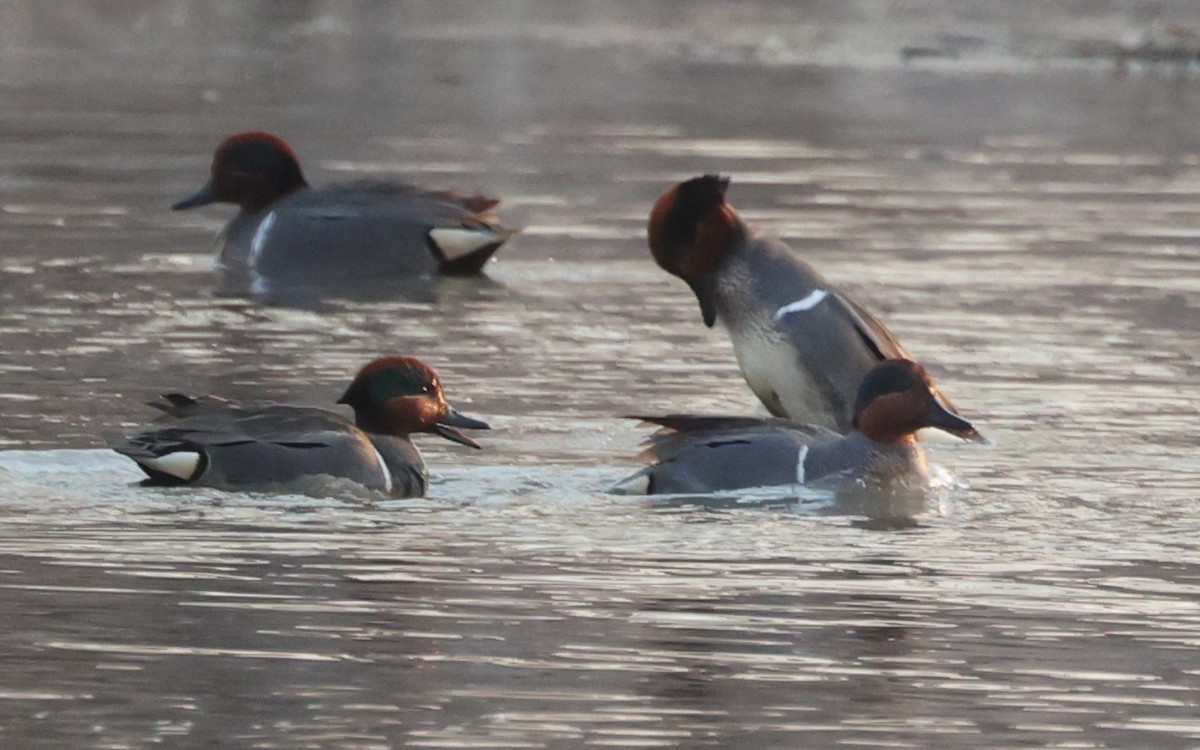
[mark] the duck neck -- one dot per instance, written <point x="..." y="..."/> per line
<point x="858" y="455"/>
<point x="758" y="276"/>
<point x="381" y="422"/>
<point x="260" y="202"/>
<point x="404" y="463"/>
<point x="895" y="458"/>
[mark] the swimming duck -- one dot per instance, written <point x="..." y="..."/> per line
<point x="802" y="345"/>
<point x="289" y="232"/>
<point x="211" y="442"/>
<point x="697" y="454"/>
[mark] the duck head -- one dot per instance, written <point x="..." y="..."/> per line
<point x="402" y="395"/>
<point x="691" y="230"/>
<point x="252" y="169"/>
<point x="897" y="398"/>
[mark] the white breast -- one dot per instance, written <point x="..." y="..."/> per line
<point x="771" y="366"/>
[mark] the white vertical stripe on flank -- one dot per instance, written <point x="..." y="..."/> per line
<point x="802" y="305"/>
<point x="800" y="464"/>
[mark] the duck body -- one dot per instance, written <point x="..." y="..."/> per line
<point x="700" y="454"/>
<point x="211" y="442"/>
<point x="289" y="232"/>
<point x="359" y="230"/>
<point x="222" y="444"/>
<point x="802" y="345"/>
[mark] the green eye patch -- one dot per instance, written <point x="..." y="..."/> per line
<point x="397" y="381"/>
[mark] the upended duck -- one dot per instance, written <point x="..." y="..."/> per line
<point x="803" y="346"/>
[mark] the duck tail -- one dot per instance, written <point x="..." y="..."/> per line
<point x="464" y="250"/>
<point x="639" y="483"/>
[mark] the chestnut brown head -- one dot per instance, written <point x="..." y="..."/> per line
<point x="402" y="395"/>
<point x="691" y="230"/>
<point x="897" y="398"/>
<point x="251" y="169"/>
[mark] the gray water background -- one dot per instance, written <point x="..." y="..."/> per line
<point x="1013" y="186"/>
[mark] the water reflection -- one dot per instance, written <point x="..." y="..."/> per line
<point x="327" y="297"/>
<point x="566" y="614"/>
<point x="1018" y="214"/>
<point x="881" y="508"/>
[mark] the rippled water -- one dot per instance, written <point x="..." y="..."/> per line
<point x="1014" y="188"/>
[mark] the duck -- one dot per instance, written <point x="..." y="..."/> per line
<point x="705" y="454"/>
<point x="288" y="232"/>
<point x="212" y="442"/>
<point x="802" y="345"/>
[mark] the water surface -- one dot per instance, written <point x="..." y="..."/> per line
<point x="1012" y="188"/>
